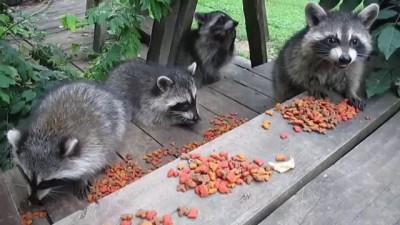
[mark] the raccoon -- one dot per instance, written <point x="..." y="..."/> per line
<point x="211" y="45"/>
<point x="328" y="55"/>
<point x="72" y="134"/>
<point x="154" y="94"/>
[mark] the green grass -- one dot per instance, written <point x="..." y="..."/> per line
<point x="285" y="17"/>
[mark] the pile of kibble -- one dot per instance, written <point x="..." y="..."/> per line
<point x="27" y="218"/>
<point x="316" y="115"/>
<point x="218" y="172"/>
<point x="149" y="217"/>
<point x="116" y="177"/>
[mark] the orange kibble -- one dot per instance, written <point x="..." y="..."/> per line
<point x="269" y="112"/>
<point x="280" y="158"/>
<point x="266" y="124"/>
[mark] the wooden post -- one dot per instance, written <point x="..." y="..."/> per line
<point x="256" y="28"/>
<point x="167" y="33"/>
<point x="100" y="30"/>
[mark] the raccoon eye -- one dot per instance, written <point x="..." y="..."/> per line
<point x="331" y="40"/>
<point x="354" y="41"/>
<point x="180" y="107"/>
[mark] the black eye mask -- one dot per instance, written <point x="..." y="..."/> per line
<point x="43" y="185"/>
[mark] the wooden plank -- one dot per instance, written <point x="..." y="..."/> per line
<point x="18" y="192"/>
<point x="243" y="95"/>
<point x="256" y="29"/>
<point x="8" y="210"/>
<point x="100" y="33"/>
<point x="222" y="105"/>
<point x="363" y="187"/>
<point x="167" y="33"/>
<point x="313" y="154"/>
<point x="264" y="70"/>
<point x="182" y="135"/>
<point x="249" y="79"/>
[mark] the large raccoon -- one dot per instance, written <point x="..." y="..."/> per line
<point x="329" y="54"/>
<point x="154" y="94"/>
<point x="72" y="134"/>
<point x="211" y="45"/>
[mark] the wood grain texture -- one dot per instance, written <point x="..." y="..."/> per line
<point x="313" y="154"/>
<point x="8" y="210"/>
<point x="245" y="96"/>
<point x="264" y="70"/>
<point x="363" y="187"/>
<point x="256" y="29"/>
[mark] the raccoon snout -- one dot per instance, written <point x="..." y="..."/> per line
<point x="344" y="59"/>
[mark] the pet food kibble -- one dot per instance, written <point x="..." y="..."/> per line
<point x="170" y="172"/>
<point x="368" y="117"/>
<point x="126" y="216"/>
<point x="297" y="129"/>
<point x="269" y="112"/>
<point x="258" y="161"/>
<point x="193" y="213"/>
<point x="146" y="223"/>
<point x="280" y="158"/>
<point x="151" y="214"/>
<point x="183" y="210"/>
<point x="167" y="220"/>
<point x="126" y="222"/>
<point x="266" y="124"/>
<point x="284" y="136"/>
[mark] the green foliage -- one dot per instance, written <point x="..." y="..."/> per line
<point x="386" y="36"/>
<point x="25" y="73"/>
<point x="123" y="21"/>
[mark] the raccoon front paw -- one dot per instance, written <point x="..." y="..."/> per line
<point x="318" y="94"/>
<point x="81" y="189"/>
<point x="358" y="103"/>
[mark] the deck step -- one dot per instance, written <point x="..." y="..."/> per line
<point x="313" y="154"/>
<point x="363" y="187"/>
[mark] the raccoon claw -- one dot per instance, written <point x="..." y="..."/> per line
<point x="81" y="190"/>
<point x="360" y="104"/>
<point x="318" y="94"/>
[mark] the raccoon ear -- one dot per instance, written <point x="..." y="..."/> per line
<point x="235" y="23"/>
<point x="13" y="137"/>
<point x="200" y="17"/>
<point x="369" y="14"/>
<point x="192" y="68"/>
<point x="69" y="147"/>
<point x="314" y="14"/>
<point x="164" y="83"/>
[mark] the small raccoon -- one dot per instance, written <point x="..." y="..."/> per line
<point x="154" y="94"/>
<point x="72" y="134"/>
<point x="329" y="54"/>
<point x="211" y="45"/>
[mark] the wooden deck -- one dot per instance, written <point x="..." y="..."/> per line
<point x="248" y="92"/>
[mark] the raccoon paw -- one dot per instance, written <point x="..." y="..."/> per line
<point x="81" y="189"/>
<point x="358" y="103"/>
<point x="318" y="94"/>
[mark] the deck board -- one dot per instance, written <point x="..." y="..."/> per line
<point x="313" y="154"/>
<point x="264" y="70"/>
<point x="361" y="188"/>
<point x="243" y="95"/>
<point x="8" y="210"/>
<point x="249" y="79"/>
<point x="220" y="104"/>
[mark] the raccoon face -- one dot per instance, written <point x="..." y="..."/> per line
<point x="39" y="163"/>
<point x="216" y="24"/>
<point x="179" y="96"/>
<point x="338" y="37"/>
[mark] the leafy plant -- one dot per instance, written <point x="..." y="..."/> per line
<point x="25" y="72"/>
<point x="386" y="36"/>
<point x="123" y="21"/>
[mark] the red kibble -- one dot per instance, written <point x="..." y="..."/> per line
<point x="258" y="161"/>
<point x="167" y="220"/>
<point x="284" y="136"/>
<point x="126" y="222"/>
<point x="193" y="213"/>
<point x="151" y="215"/>
<point x="297" y="129"/>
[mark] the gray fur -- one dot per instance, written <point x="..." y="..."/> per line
<point x="328" y="55"/>
<point x="211" y="45"/>
<point x="72" y="134"/>
<point x="150" y="92"/>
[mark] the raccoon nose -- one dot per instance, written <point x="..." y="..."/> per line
<point x="196" y="117"/>
<point x="344" y="59"/>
